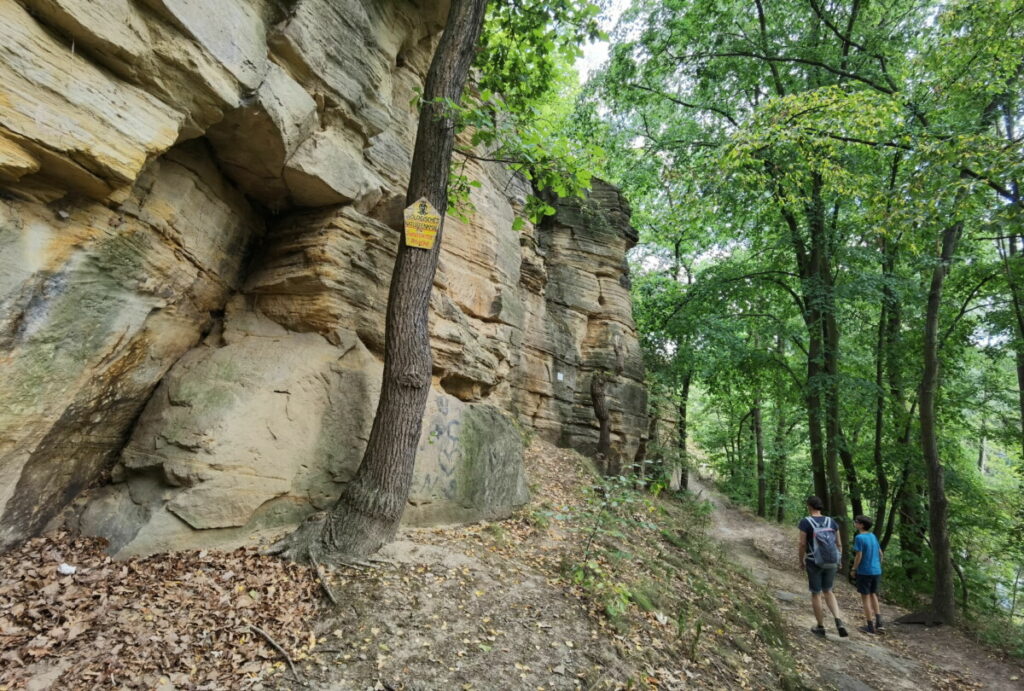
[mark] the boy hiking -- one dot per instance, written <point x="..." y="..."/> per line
<point x="820" y="556"/>
<point x="867" y="569"/>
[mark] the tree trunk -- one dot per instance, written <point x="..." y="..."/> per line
<point x="943" y="601"/>
<point x="1010" y="260"/>
<point x="808" y="264"/>
<point x="367" y="514"/>
<point x="762" y="481"/>
<point x="897" y="502"/>
<point x="779" y="464"/>
<point x="604" y="441"/>
<point x="813" y="402"/>
<point x="850" y="470"/>
<point x="1016" y="589"/>
<point x="836" y="503"/>
<point x="680" y="472"/>
<point x="881" y="478"/>
<point x="742" y="458"/>
<point x="912" y="523"/>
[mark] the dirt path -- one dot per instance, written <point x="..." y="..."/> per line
<point x="907" y="657"/>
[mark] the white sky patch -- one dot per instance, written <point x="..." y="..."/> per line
<point x="596" y="54"/>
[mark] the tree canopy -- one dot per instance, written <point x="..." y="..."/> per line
<point x="830" y="219"/>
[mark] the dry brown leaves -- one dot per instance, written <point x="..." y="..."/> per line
<point x="178" y="619"/>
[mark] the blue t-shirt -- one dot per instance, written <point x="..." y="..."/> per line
<point x="870" y="561"/>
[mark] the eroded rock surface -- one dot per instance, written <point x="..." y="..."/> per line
<point x="96" y="303"/>
<point x="199" y="208"/>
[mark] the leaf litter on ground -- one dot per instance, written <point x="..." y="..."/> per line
<point x="183" y="619"/>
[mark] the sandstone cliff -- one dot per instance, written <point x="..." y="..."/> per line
<point x="197" y="226"/>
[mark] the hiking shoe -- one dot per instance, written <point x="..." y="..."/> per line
<point x="878" y="624"/>
<point x="870" y="628"/>
<point x="818" y="631"/>
<point x="841" y="628"/>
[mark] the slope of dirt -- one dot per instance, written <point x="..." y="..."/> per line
<point x="575" y="592"/>
<point x="906" y="657"/>
<point x="593" y="586"/>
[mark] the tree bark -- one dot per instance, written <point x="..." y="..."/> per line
<point x="779" y="463"/>
<point x="981" y="449"/>
<point x="943" y="600"/>
<point x="1010" y="260"/>
<point x="367" y="514"/>
<point x="881" y="477"/>
<point x="1016" y="589"/>
<point x="908" y="489"/>
<point x="680" y="478"/>
<point x="808" y="265"/>
<point x="762" y="481"/>
<point x="823" y="283"/>
<point x="852" y="481"/>
<point x="813" y="402"/>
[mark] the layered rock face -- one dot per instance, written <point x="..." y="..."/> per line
<point x="198" y="222"/>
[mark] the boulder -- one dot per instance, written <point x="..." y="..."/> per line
<point x="263" y="426"/>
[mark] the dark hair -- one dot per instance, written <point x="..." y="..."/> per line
<point x="864" y="521"/>
<point x="816" y="503"/>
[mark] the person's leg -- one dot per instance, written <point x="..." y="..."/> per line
<point x="865" y="601"/>
<point x="864" y="588"/>
<point x="863" y="584"/>
<point x="833" y="606"/>
<point x="828" y="577"/>
<point x="814" y="585"/>
<point x="876" y="606"/>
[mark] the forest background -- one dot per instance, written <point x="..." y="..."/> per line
<point x="829" y="283"/>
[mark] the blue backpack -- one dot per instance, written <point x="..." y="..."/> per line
<point x="825" y="549"/>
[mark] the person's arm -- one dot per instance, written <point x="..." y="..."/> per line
<point x="859" y="553"/>
<point x="803" y="548"/>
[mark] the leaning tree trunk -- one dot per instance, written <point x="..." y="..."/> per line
<point x="367" y="514"/>
<point x="943" y="601"/>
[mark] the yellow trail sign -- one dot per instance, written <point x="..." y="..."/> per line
<point x="421" y="224"/>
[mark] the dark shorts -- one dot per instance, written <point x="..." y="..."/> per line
<point x="820" y="579"/>
<point x="867" y="585"/>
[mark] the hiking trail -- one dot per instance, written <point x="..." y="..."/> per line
<point x="906" y="657"/>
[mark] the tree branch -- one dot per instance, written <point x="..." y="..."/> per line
<point x="685" y="104"/>
<point x="798" y="61"/>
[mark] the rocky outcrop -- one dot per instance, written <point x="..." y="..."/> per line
<point x="197" y="228"/>
<point x="97" y="303"/>
<point x="581" y="323"/>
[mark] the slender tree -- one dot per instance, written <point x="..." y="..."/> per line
<point x="368" y="512"/>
